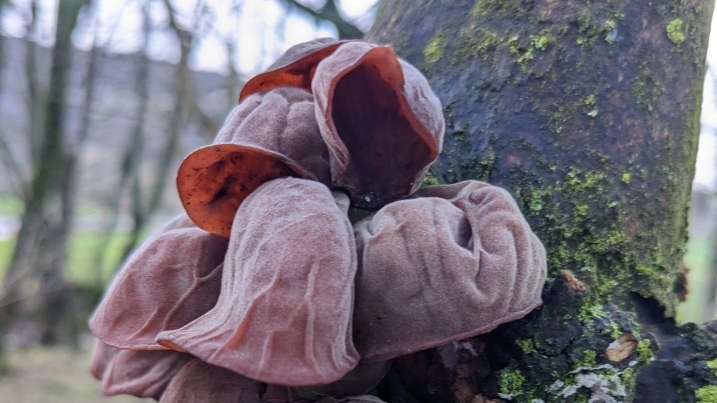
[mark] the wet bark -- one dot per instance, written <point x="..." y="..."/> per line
<point x="588" y="113"/>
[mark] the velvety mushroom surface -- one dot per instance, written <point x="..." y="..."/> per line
<point x="295" y="68"/>
<point x="380" y="120"/>
<point x="360" y="380"/>
<point x="268" y="136"/>
<point x="285" y="309"/>
<point x="456" y="261"/>
<point x="140" y="373"/>
<point x="201" y="382"/>
<point x="170" y="281"/>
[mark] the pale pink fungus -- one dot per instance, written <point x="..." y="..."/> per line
<point x="295" y="68"/>
<point x="268" y="136"/>
<point x="198" y="382"/>
<point x="360" y="380"/>
<point x="140" y="373"/>
<point x="456" y="261"/>
<point x="170" y="281"/>
<point x="285" y="308"/>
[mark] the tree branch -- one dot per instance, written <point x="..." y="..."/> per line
<point x="330" y="13"/>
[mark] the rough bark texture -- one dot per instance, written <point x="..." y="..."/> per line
<point x="588" y="113"/>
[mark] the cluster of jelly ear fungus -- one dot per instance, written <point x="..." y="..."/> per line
<point x="309" y="255"/>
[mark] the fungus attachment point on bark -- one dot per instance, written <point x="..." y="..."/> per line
<point x="456" y="261"/>
<point x="380" y="120"/>
<point x="284" y="315"/>
<point x="170" y="281"/>
<point x="268" y="136"/>
<point x="295" y="68"/>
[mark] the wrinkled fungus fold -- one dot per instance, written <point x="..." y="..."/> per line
<point x="285" y="308"/>
<point x="455" y="261"/>
<point x="268" y="136"/>
<point x="381" y="121"/>
<point x="198" y="381"/>
<point x="170" y="281"/>
<point x="360" y="380"/>
<point x="140" y="373"/>
<point x="295" y="68"/>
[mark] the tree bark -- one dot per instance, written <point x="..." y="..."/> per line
<point x="588" y="113"/>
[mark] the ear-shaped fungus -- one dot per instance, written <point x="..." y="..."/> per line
<point x="295" y="68"/>
<point x="380" y="120"/>
<point x="455" y="262"/>
<point x="278" y="137"/>
<point x="360" y="380"/>
<point x="284" y="312"/>
<point x="200" y="382"/>
<point x="170" y="281"/>
<point x="139" y="373"/>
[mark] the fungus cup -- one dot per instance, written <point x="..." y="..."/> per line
<point x="140" y="373"/>
<point x="381" y="121"/>
<point x="170" y="281"/>
<point x="295" y="68"/>
<point x="285" y="308"/>
<point x="198" y="381"/>
<point x="456" y="261"/>
<point x="268" y="136"/>
<point x="360" y="380"/>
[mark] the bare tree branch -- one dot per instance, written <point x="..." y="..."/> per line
<point x="186" y="38"/>
<point x="12" y="167"/>
<point x="346" y="29"/>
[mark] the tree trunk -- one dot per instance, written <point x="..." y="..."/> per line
<point x="588" y="113"/>
<point x="41" y="247"/>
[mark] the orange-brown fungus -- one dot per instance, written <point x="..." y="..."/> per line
<point x="214" y="180"/>
<point x="386" y="145"/>
<point x="380" y="120"/>
<point x="294" y="69"/>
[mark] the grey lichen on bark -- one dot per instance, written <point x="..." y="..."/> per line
<point x="588" y="113"/>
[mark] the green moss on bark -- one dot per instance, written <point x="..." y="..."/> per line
<point x="674" y="31"/>
<point x="707" y="394"/>
<point x="588" y="114"/>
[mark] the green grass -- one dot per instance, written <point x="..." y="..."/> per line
<point x="56" y="375"/>
<point x="82" y="266"/>
<point x="82" y="261"/>
<point x="10" y="205"/>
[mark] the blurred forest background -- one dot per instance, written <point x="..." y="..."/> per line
<point x="99" y="102"/>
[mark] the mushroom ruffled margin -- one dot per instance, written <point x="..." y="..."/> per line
<point x="267" y="291"/>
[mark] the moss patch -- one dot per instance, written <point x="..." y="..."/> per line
<point x="643" y="90"/>
<point x="674" y="31"/>
<point x="434" y="50"/>
<point x="511" y="383"/>
<point x="644" y="352"/>
<point x="712" y="365"/>
<point x="527" y="345"/>
<point x="707" y="394"/>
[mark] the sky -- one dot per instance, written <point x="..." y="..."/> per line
<point x="260" y="31"/>
<point x="706" y="172"/>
